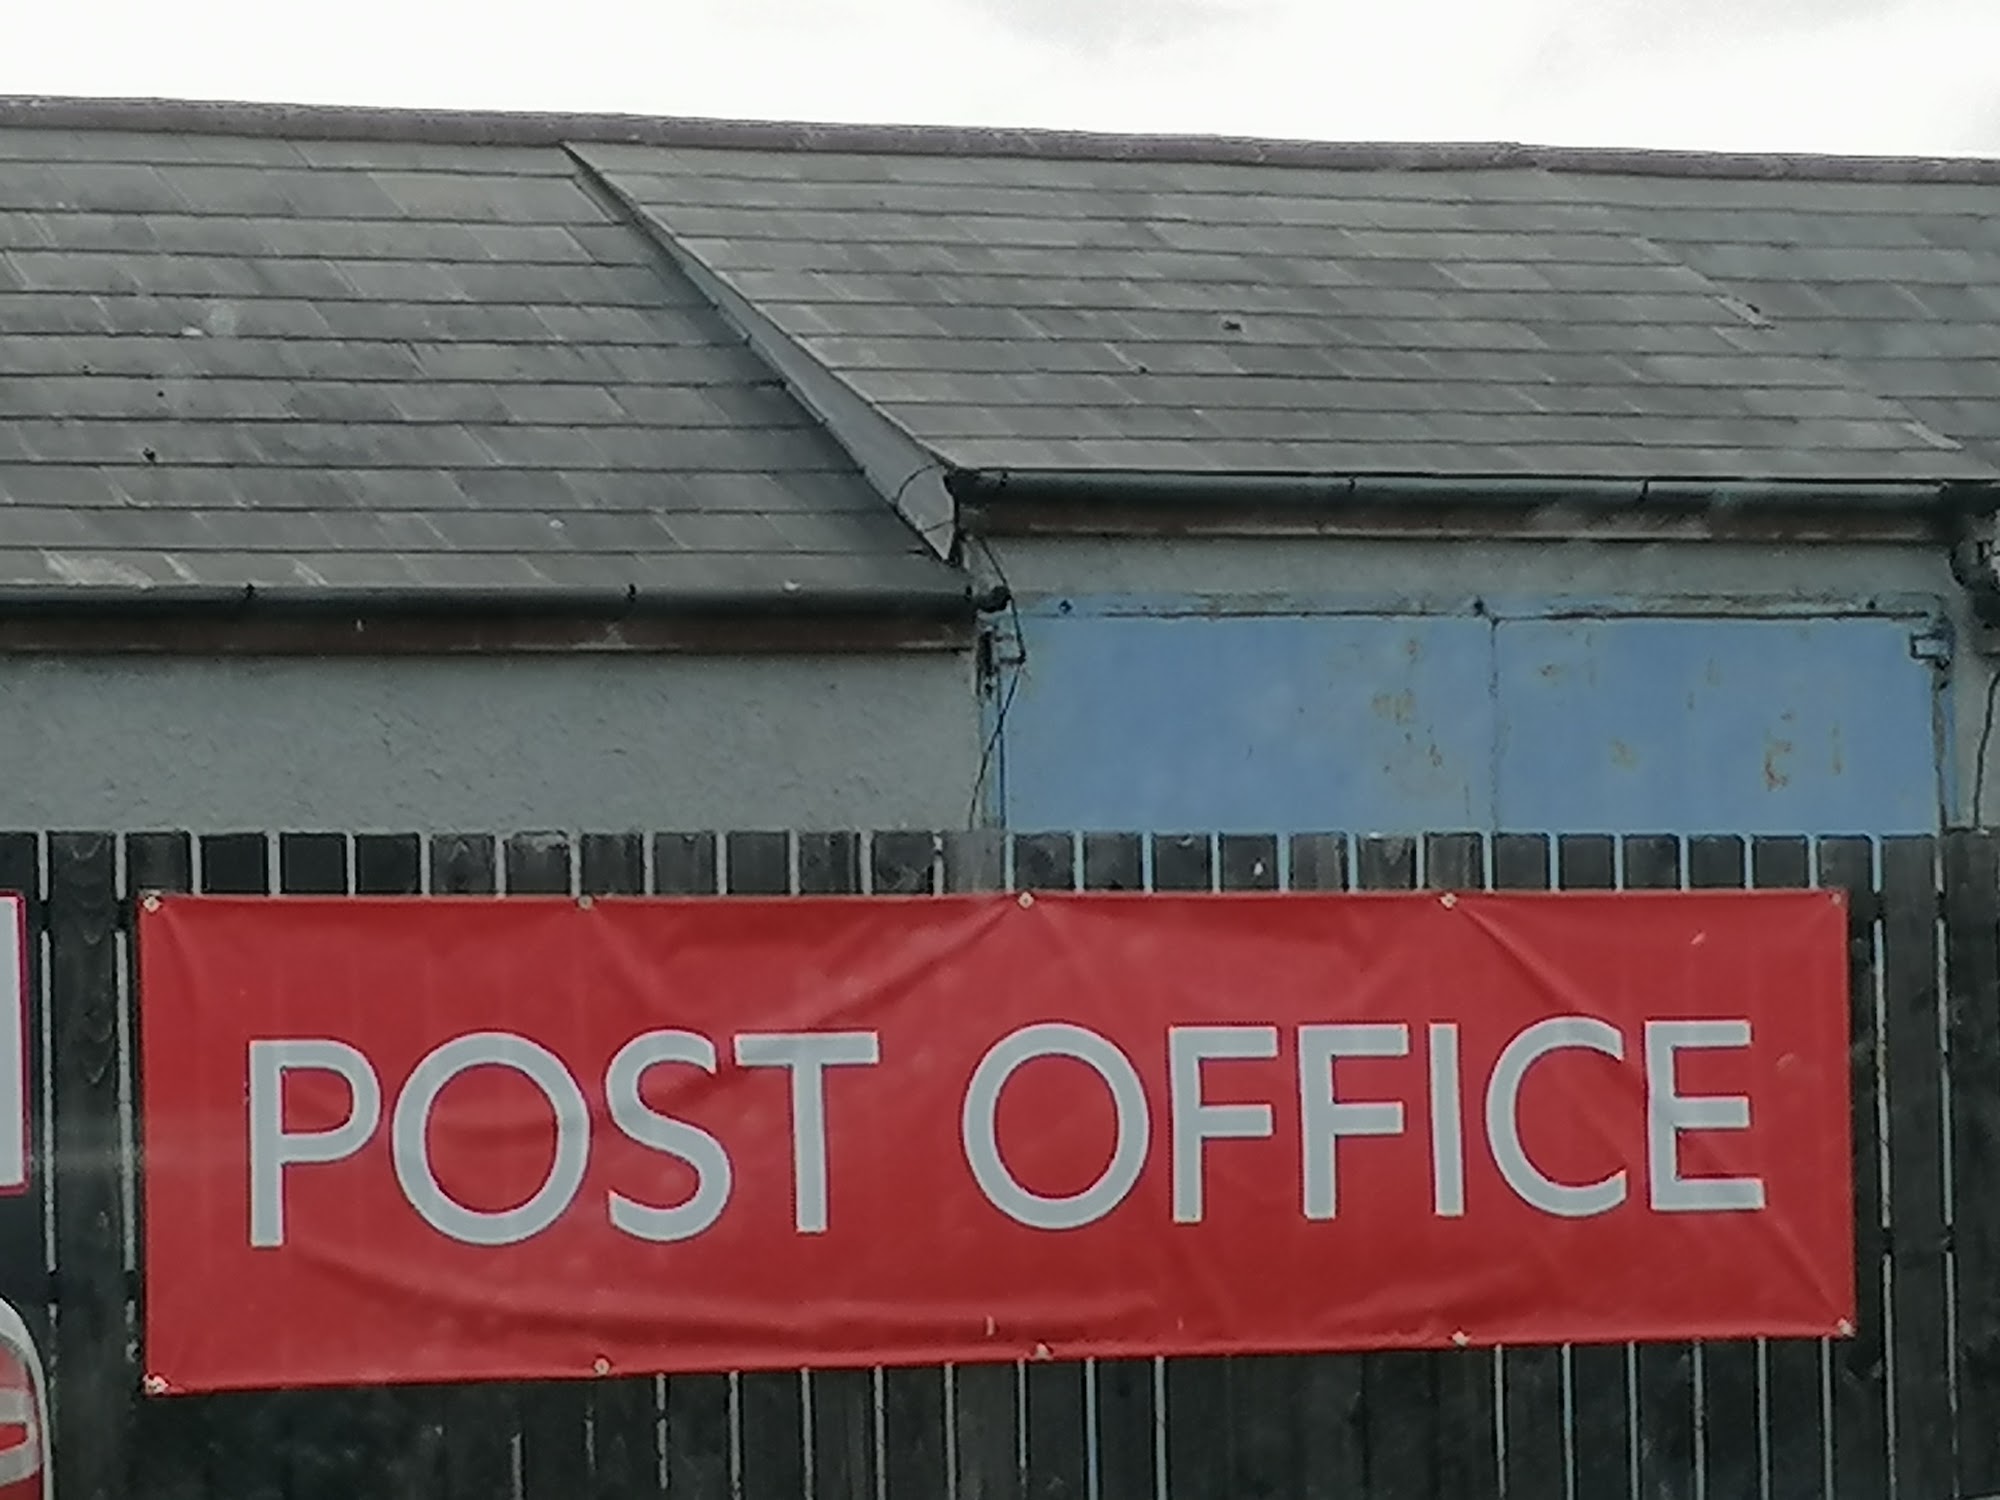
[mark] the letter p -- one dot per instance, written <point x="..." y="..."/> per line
<point x="273" y="1148"/>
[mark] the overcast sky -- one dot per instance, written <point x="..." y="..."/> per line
<point x="1919" y="76"/>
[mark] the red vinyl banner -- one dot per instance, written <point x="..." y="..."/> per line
<point x="458" y="1139"/>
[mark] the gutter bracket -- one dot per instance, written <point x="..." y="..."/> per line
<point x="1975" y="563"/>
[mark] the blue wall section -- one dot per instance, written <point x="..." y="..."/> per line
<point x="1375" y="723"/>
<point x="1255" y="722"/>
<point x="1753" y="726"/>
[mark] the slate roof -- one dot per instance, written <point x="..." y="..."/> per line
<point x="1898" y="281"/>
<point x="1491" y="316"/>
<point x="366" y="370"/>
<point x="351" y="354"/>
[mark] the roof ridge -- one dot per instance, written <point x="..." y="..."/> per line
<point x="498" y="127"/>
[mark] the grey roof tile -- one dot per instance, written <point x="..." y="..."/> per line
<point x="258" y="191"/>
<point x="412" y="153"/>
<point x="123" y="147"/>
<point x="416" y="355"/>
<point x="606" y="530"/>
<point x="700" y="531"/>
<point x="105" y="187"/>
<point x="1893" y="282"/>
<point x="1051" y="310"/>
<point x="396" y="365"/>
<point x="483" y="195"/>
<point x="381" y="530"/>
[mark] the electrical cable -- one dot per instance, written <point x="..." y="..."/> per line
<point x="1985" y="744"/>
<point x="1019" y="666"/>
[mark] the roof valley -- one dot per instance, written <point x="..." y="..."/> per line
<point x="900" y="467"/>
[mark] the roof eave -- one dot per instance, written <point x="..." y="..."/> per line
<point x="394" y="620"/>
<point x="1085" y="502"/>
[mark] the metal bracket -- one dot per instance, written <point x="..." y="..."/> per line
<point x="1001" y="643"/>
<point x="1000" y="650"/>
<point x="1933" y="643"/>
<point x="1975" y="563"/>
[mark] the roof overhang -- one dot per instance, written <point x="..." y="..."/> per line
<point x="252" y="621"/>
<point x="1094" y="503"/>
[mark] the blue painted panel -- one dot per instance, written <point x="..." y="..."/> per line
<point x="1364" y="723"/>
<point x="1685" y="725"/>
<point x="1406" y="722"/>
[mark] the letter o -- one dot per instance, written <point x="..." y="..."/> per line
<point x="411" y="1150"/>
<point x="982" y="1146"/>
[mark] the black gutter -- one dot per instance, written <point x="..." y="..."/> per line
<point x="994" y="489"/>
<point x="943" y="603"/>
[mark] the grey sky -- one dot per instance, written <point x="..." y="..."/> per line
<point x="1917" y="76"/>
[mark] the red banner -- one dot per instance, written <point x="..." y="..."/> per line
<point x="447" y="1139"/>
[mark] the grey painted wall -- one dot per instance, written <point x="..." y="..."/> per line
<point x="1442" y="575"/>
<point x="613" y="742"/>
<point x="1447" y="570"/>
<point x="538" y="742"/>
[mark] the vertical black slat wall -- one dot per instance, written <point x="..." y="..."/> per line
<point x="171" y="1451"/>
<point x="1665" y="1430"/>
<point x="1601" y="1444"/>
<point x="392" y="864"/>
<point x="553" y="1415"/>
<point x="1264" y="1423"/>
<point x="1860" y="1364"/>
<point x="623" y="1412"/>
<point x="249" y="1434"/>
<point x="481" y="1424"/>
<point x="1400" y="1408"/>
<point x="1536" y="1408"/>
<point x="1796" y="1457"/>
<point x="846" y="1459"/>
<point x="1799" y="1418"/>
<point x="95" y="1396"/>
<point x="1326" y="1389"/>
<point x="1127" y="1463"/>
<point x="915" y="1454"/>
<point x="1920" y="1361"/>
<point x="700" y="1409"/>
<point x="1199" y="1456"/>
<point x="1732" y="1442"/>
<point x="1972" y="910"/>
<point x="1057" y="1459"/>
<point x="773" y="1427"/>
<point x="1468" y="1445"/>
<point x="1254" y="1425"/>
<point x="988" y="1446"/>
<point x="339" y="1443"/>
